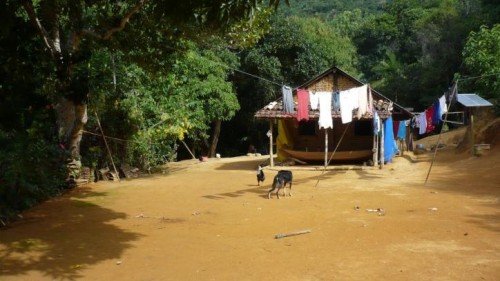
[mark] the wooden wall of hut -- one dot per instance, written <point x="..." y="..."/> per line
<point x="308" y="137"/>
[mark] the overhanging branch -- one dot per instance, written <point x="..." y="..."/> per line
<point x="123" y="22"/>
<point x="28" y="6"/>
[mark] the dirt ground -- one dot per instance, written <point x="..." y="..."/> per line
<point x="210" y="221"/>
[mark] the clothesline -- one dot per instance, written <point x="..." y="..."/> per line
<point x="357" y="98"/>
<point x="477" y="77"/>
<point x="429" y="118"/>
<point x="112" y="138"/>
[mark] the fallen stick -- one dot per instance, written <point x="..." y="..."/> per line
<point x="298" y="161"/>
<point x="283" y="235"/>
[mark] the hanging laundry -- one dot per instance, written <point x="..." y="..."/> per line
<point x="346" y="106"/>
<point x="442" y="106"/>
<point x="314" y="100"/>
<point x="436" y="117"/>
<point x="287" y="99"/>
<point x="336" y="101"/>
<point x="376" y="123"/>
<point x="429" y="113"/>
<point x="362" y="93"/>
<point x="395" y="127"/>
<point x="413" y="122"/>
<point x="353" y="92"/>
<point x="325" y="110"/>
<point x="422" y="123"/>
<point x="349" y="100"/>
<point x="302" y="104"/>
<point x="402" y="130"/>
<point x="370" y="100"/>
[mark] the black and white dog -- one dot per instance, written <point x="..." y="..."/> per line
<point x="283" y="178"/>
<point x="260" y="174"/>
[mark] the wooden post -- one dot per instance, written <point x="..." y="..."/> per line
<point x="453" y="93"/>
<point x="107" y="147"/>
<point x="326" y="147"/>
<point x="471" y="131"/>
<point x="187" y="147"/>
<point x="382" y="145"/>
<point x="375" y="149"/>
<point x="271" y="160"/>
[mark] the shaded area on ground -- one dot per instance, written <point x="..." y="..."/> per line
<point x="62" y="237"/>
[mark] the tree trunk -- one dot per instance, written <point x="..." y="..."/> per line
<point x="215" y="138"/>
<point x="71" y="118"/>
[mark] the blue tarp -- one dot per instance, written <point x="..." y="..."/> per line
<point x="390" y="147"/>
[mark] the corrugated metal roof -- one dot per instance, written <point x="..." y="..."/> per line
<point x="472" y="100"/>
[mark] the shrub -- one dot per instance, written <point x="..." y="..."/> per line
<point x="31" y="170"/>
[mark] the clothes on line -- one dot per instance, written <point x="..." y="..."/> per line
<point x="357" y="98"/>
<point x="287" y="99"/>
<point x="442" y="105"/>
<point x="302" y="104"/>
<point x="402" y="130"/>
<point x="433" y="114"/>
<point x="314" y="100"/>
<point x="336" y="101"/>
<point x="376" y="123"/>
<point x="349" y="100"/>
<point x="436" y="117"/>
<point x="362" y="100"/>
<point x="395" y="127"/>
<point x="325" y="110"/>
<point x="429" y="113"/>
<point x="422" y="123"/>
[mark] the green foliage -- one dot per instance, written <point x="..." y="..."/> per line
<point x="348" y="23"/>
<point x="247" y="33"/>
<point x="295" y="50"/>
<point x="330" y="9"/>
<point x="481" y="56"/>
<point x="152" y="110"/>
<point x="305" y="47"/>
<point x="413" y="49"/>
<point x="31" y="170"/>
<point x="31" y="162"/>
<point x="130" y="62"/>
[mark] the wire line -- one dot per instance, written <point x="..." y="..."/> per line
<point x="477" y="77"/>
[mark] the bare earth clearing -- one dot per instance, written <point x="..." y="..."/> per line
<point x="210" y="221"/>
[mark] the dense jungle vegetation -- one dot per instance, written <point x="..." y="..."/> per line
<point x="160" y="74"/>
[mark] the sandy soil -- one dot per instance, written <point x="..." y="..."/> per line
<point x="210" y="221"/>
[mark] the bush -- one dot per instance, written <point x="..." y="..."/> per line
<point x="31" y="170"/>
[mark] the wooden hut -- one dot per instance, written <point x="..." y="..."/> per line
<point x="305" y="141"/>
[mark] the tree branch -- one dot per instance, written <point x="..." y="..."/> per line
<point x="123" y="22"/>
<point x="75" y="12"/>
<point x="28" y="6"/>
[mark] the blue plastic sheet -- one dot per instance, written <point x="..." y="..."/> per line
<point x="390" y="147"/>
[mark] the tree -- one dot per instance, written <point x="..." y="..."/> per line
<point x="71" y="29"/>
<point x="425" y="38"/>
<point x="295" y="50"/>
<point x="481" y="56"/>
